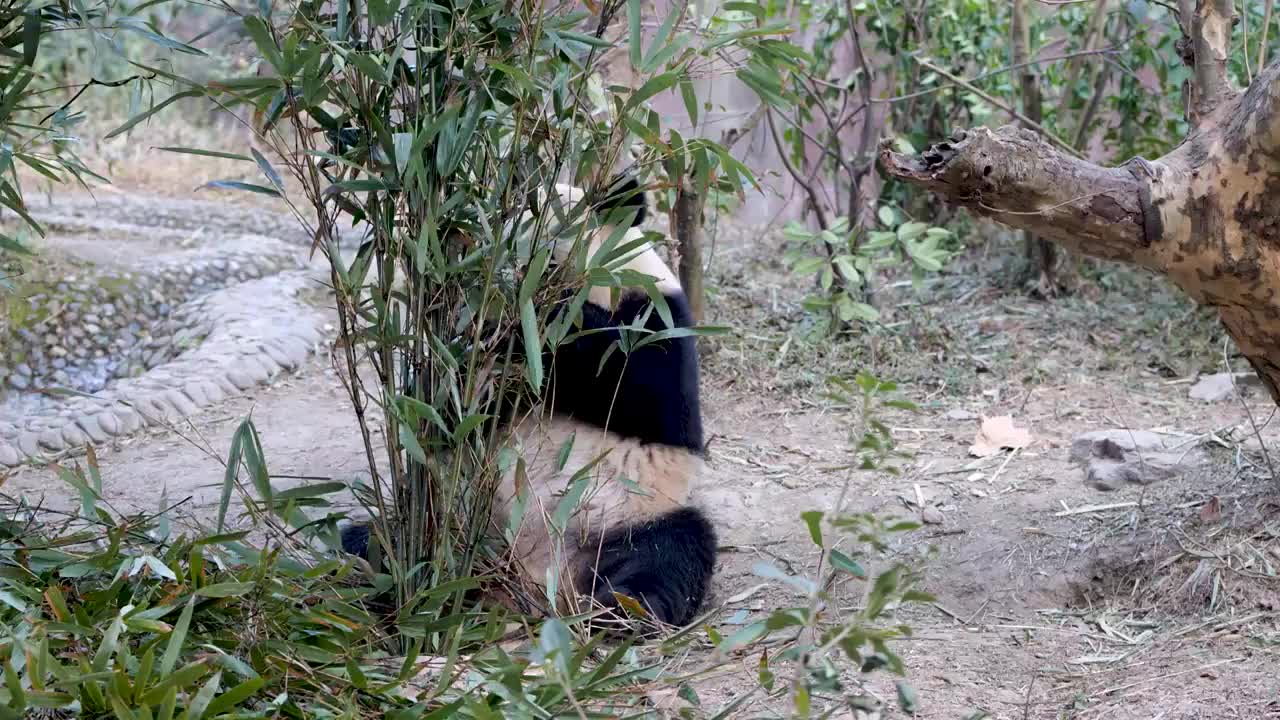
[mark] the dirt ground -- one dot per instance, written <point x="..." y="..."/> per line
<point x="1054" y="600"/>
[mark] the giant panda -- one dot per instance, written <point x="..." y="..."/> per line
<point x="635" y="532"/>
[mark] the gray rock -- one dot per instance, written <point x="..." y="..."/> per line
<point x="219" y="378"/>
<point x="130" y="419"/>
<point x="195" y="393"/>
<point x="1219" y="386"/>
<point x="52" y="440"/>
<point x="89" y="425"/>
<point x="29" y="443"/>
<point x="1114" y="458"/>
<point x="9" y="455"/>
<point x="73" y="436"/>
<point x="264" y="367"/>
<point x="19" y="382"/>
<point x="109" y="423"/>
<point x="212" y="390"/>
<point x="238" y="376"/>
<point x="279" y="356"/>
<point x="181" y="403"/>
<point x="153" y="407"/>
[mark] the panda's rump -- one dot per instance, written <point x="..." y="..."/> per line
<point x="632" y="483"/>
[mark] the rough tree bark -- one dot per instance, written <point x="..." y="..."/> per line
<point x="686" y="221"/>
<point x="1042" y="258"/>
<point x="1207" y="214"/>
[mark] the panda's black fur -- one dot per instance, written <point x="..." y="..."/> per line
<point x="645" y="410"/>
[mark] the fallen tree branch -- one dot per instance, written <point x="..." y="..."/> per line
<point x="1016" y="178"/>
<point x="1205" y="214"/>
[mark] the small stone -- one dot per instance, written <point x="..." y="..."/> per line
<point x="109" y="423"/>
<point x="52" y="440"/>
<point x="153" y="406"/>
<point x="278" y="355"/>
<point x="89" y="425"/>
<point x="238" y="377"/>
<point x="959" y="414"/>
<point x="265" y="367"/>
<point x="9" y="455"/>
<point x="931" y="515"/>
<point x="130" y="420"/>
<point x="19" y="382"/>
<point x="73" y="436"/>
<point x="1114" y="458"/>
<point x="224" y="384"/>
<point x="195" y="393"/>
<point x="212" y="390"/>
<point x="1219" y="386"/>
<point x="181" y="403"/>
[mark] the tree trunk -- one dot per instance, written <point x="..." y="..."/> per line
<point x="687" y="219"/>
<point x="1041" y="255"/>
<point x="1207" y="214"/>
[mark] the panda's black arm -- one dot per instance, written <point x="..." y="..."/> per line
<point x="651" y="395"/>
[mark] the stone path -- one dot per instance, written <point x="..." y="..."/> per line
<point x="184" y="304"/>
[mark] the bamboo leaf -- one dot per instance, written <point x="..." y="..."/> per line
<point x="31" y="30"/>
<point x="655" y="85"/>
<point x="532" y="345"/>
<point x="237" y="185"/>
<point x="128" y="124"/>
<point x="636" y="39"/>
<point x="261" y="34"/>
<point x="179" y="636"/>
<point x="206" y="153"/>
<point x="265" y="166"/>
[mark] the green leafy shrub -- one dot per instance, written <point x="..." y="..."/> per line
<point x="103" y="614"/>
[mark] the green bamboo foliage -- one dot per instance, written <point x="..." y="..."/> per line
<point x="436" y="131"/>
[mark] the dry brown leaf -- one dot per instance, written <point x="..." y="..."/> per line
<point x="998" y="433"/>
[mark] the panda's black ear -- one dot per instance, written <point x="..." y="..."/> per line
<point x="625" y="193"/>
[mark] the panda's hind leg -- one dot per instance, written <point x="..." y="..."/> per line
<point x="665" y="563"/>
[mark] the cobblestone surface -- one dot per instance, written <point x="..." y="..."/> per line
<point x="153" y="338"/>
